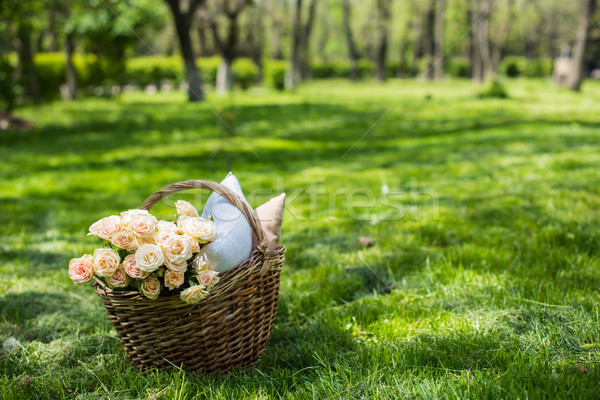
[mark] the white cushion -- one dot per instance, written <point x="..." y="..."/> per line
<point x="234" y="239"/>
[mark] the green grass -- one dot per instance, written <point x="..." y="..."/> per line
<point x="496" y="295"/>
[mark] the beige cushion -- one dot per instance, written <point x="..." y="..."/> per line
<point x="270" y="215"/>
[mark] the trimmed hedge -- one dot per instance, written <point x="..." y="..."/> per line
<point x="245" y="72"/>
<point x="275" y="73"/>
<point x="51" y="69"/>
<point x="515" y="66"/>
<point x="150" y="70"/>
<point x="538" y="68"/>
<point x="458" y="67"/>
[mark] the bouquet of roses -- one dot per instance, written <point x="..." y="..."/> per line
<point x="139" y="252"/>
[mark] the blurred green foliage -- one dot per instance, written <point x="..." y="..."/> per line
<point x="458" y="67"/>
<point x="515" y="66"/>
<point x="494" y="90"/>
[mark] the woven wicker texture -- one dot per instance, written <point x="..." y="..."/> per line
<point x="230" y="328"/>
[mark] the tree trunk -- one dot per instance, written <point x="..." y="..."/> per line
<point x="224" y="77"/>
<point x="70" y="71"/>
<point x="383" y="19"/>
<point x="292" y="73"/>
<point x="26" y="63"/>
<point x="182" y="22"/>
<point x="476" y="62"/>
<point x="576" y="74"/>
<point x="256" y="37"/>
<point x="352" y="50"/>
<point x="499" y="48"/>
<point x="417" y="28"/>
<point x="227" y="48"/>
<point x="438" y="53"/>
<point x="429" y="49"/>
<point x="277" y="33"/>
<point x="304" y="57"/>
<point x="484" y="39"/>
<point x="204" y="50"/>
<point x="470" y="48"/>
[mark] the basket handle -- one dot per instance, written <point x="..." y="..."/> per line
<point x="229" y="195"/>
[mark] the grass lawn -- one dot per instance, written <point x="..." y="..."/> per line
<point x="485" y="215"/>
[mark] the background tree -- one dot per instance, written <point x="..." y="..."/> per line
<point x="382" y="31"/>
<point x="305" y="40"/>
<point x="228" y="13"/>
<point x="23" y="20"/>
<point x="182" y="18"/>
<point x="481" y="56"/>
<point x="576" y="76"/>
<point x="438" y="53"/>
<point x="292" y="75"/>
<point x="353" y="54"/>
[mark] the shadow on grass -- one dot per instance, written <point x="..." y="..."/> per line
<point x="47" y="316"/>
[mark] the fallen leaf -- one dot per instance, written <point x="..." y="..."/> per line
<point x="366" y="241"/>
<point x="387" y="288"/>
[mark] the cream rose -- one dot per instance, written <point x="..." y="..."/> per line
<point x="149" y="257"/>
<point x="163" y="236"/>
<point x="150" y="287"/>
<point x="106" y="261"/>
<point x="129" y="215"/>
<point x="177" y="250"/>
<point x="173" y="279"/>
<point x="176" y="267"/>
<point x="186" y="208"/>
<point x="194" y="294"/>
<point x="167" y="226"/>
<point x="125" y="240"/>
<point x="107" y="227"/>
<point x="143" y="226"/>
<point x="193" y="242"/>
<point x="199" y="228"/>
<point x="81" y="269"/>
<point x="131" y="268"/>
<point x="146" y="240"/>
<point x="208" y="278"/>
<point x="119" y="278"/>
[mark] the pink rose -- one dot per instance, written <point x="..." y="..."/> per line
<point x="173" y="279"/>
<point x="107" y="227"/>
<point x="81" y="269"/>
<point x="150" y="287"/>
<point x="143" y="225"/>
<point x="131" y="268"/>
<point x="106" y="261"/>
<point x="119" y="278"/>
<point x="208" y="278"/>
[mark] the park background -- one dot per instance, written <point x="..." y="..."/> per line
<point x="460" y="136"/>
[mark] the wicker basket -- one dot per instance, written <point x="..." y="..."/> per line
<point x="229" y="328"/>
